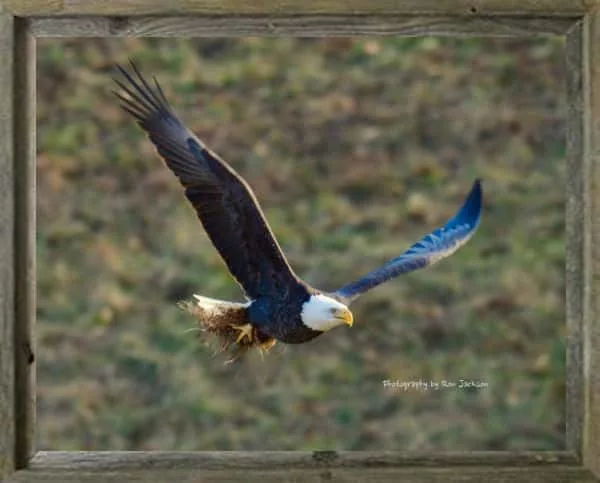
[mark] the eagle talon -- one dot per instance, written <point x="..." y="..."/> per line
<point x="245" y="331"/>
<point x="266" y="346"/>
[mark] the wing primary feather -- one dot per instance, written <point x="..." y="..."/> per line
<point x="128" y="107"/>
<point x="435" y="246"/>
<point x="136" y="93"/>
<point x="146" y="93"/>
<point x="162" y="94"/>
<point x="139" y="104"/>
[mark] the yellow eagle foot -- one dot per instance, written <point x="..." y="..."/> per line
<point x="245" y="331"/>
<point x="266" y="346"/>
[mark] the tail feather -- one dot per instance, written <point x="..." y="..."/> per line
<point x="207" y="302"/>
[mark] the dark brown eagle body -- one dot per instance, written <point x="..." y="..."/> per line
<point x="280" y="318"/>
<point x="280" y="306"/>
<point x="220" y="317"/>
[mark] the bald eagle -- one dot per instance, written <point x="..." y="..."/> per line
<point x="280" y="306"/>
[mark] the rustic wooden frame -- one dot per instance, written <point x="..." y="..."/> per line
<point x="23" y="20"/>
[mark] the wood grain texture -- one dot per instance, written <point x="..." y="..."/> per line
<point x="318" y="18"/>
<point x="24" y="172"/>
<point x="299" y="7"/>
<point x="575" y="233"/>
<point x="306" y="26"/>
<point x="591" y="160"/>
<point x="475" y="474"/>
<point x="218" y="460"/>
<point x="7" y="314"/>
<point x="320" y="466"/>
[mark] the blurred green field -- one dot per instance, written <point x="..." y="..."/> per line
<point x="355" y="149"/>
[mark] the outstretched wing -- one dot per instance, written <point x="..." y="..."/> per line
<point x="439" y="244"/>
<point x="223" y="201"/>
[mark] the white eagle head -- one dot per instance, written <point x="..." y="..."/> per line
<point x="323" y="313"/>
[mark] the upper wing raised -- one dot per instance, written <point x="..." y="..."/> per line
<point x="439" y="244"/>
<point x="223" y="201"/>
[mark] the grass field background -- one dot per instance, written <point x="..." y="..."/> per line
<point x="355" y="149"/>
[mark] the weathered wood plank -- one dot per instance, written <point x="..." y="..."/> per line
<point x="24" y="172"/>
<point x="591" y="159"/>
<point x="474" y="474"/>
<point x="219" y="460"/>
<point x="575" y="233"/>
<point x="306" y="26"/>
<point x="551" y="8"/>
<point x="342" y="466"/>
<point x="592" y="78"/>
<point x="7" y="315"/>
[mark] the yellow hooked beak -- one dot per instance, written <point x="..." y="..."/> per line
<point x="345" y="315"/>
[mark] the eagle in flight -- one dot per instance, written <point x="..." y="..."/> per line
<point x="280" y="306"/>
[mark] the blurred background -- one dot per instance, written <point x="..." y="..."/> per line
<point x="355" y="149"/>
